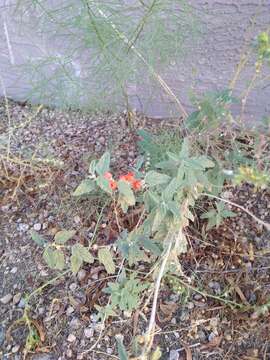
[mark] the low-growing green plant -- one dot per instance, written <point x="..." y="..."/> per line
<point x="216" y="215"/>
<point x="54" y="254"/>
<point x="126" y="292"/>
<point x="260" y="179"/>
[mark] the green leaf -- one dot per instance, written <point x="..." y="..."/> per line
<point x="48" y="256"/>
<point x="59" y="259"/>
<point x="184" y="153"/>
<point x="120" y="348"/>
<point x="104" y="184"/>
<point x="82" y="252"/>
<point x="92" y="167"/>
<point x="228" y="213"/>
<point x="150" y="245"/>
<point x="208" y="214"/>
<point x="76" y="263"/>
<point x="105" y="257"/>
<point x="126" y="192"/>
<point x="170" y="190"/>
<point x="61" y="237"/>
<point x="156" y="355"/>
<point x="85" y="187"/>
<point x="154" y="178"/>
<point x="193" y="120"/>
<point x="54" y="258"/>
<point x="38" y="239"/>
<point x="158" y="219"/>
<point x="205" y="162"/>
<point x="103" y="165"/>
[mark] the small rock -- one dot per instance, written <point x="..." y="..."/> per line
<point x="6" y="299"/>
<point x="75" y="324"/>
<point x="21" y="304"/>
<point x="174" y="297"/>
<point x="69" y="353"/>
<point x="23" y="227"/>
<point x="102" y="140"/>
<point x="197" y="297"/>
<point x="211" y="336"/>
<point x="88" y="333"/>
<point x="81" y="275"/>
<point x="70" y="310"/>
<point x="215" y="286"/>
<point x="73" y="286"/>
<point x="37" y="227"/>
<point x="71" y="338"/>
<point x="43" y="273"/>
<point x="77" y="219"/>
<point x="190" y="305"/>
<point x="17" y="298"/>
<point x="14" y="270"/>
<point x="41" y="310"/>
<point x="173" y="355"/>
<point x="201" y="335"/>
<point x="109" y="351"/>
<point x="228" y="336"/>
<point x="15" y="349"/>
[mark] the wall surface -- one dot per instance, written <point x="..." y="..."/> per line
<point x="34" y="64"/>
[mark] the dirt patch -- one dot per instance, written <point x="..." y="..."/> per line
<point x="230" y="263"/>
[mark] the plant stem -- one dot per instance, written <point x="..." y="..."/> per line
<point x="152" y="321"/>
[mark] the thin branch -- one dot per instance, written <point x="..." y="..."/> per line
<point x="152" y="322"/>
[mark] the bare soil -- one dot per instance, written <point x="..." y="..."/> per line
<point x="231" y="262"/>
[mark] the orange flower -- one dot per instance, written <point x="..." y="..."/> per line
<point x="108" y="175"/>
<point x="129" y="177"/>
<point x="136" y="185"/>
<point x="113" y="184"/>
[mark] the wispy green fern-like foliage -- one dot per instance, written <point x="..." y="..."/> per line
<point x="88" y="56"/>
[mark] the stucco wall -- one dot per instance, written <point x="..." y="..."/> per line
<point x="209" y="63"/>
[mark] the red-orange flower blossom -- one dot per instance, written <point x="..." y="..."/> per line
<point x="112" y="182"/>
<point x="135" y="183"/>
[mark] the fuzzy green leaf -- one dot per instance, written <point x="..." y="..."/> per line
<point x="104" y="184"/>
<point x="103" y="165"/>
<point x="59" y="260"/>
<point x="85" y="187"/>
<point x="92" y="167"/>
<point x="154" y="178"/>
<point x="48" y="256"/>
<point x="54" y="258"/>
<point x="76" y="263"/>
<point x="61" y="237"/>
<point x="38" y="239"/>
<point x="82" y="252"/>
<point x="126" y="192"/>
<point x="105" y="257"/>
<point x="150" y="245"/>
<point x="121" y="349"/>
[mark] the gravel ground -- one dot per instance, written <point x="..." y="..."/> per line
<point x="36" y="195"/>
